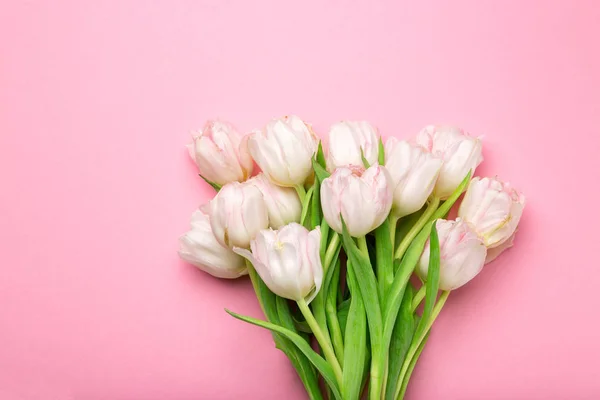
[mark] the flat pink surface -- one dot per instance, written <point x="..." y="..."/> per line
<point x="97" y="100"/>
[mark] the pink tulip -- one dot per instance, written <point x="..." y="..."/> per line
<point x="493" y="208"/>
<point x="462" y="254"/>
<point x="283" y="203"/>
<point x="221" y="153"/>
<point x="363" y="199"/>
<point x="460" y="152"/>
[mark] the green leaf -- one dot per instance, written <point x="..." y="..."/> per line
<point x="324" y="237"/>
<point x="215" y="186"/>
<point x="320" y="364"/>
<point x="320" y="157"/>
<point x="306" y="205"/>
<point x="315" y="205"/>
<point x="431" y="290"/>
<point x="404" y="330"/>
<point x="268" y="303"/>
<point x="368" y="290"/>
<point x="355" y="339"/>
<point x="342" y="312"/>
<point x="364" y="160"/>
<point x="384" y="256"/>
<point x="381" y="152"/>
<point x="320" y="171"/>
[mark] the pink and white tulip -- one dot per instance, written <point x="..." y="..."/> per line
<point x="493" y="208"/>
<point x="413" y="172"/>
<point x="288" y="261"/>
<point x="283" y="150"/>
<point x="221" y="153"/>
<point x="362" y="198"/>
<point x="283" y="203"/>
<point x="460" y="152"/>
<point x="200" y="248"/>
<point x="237" y="213"/>
<point x="462" y="254"/>
<point x="346" y="139"/>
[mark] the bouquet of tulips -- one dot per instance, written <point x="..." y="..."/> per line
<point x="348" y="250"/>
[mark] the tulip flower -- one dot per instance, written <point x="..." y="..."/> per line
<point x="363" y="198"/>
<point x="237" y="213"/>
<point x="460" y="152"/>
<point x="283" y="203"/>
<point x="200" y="248"/>
<point x="288" y="261"/>
<point x="283" y="150"/>
<point x="462" y="254"/>
<point x="413" y="172"/>
<point x="347" y="139"/>
<point x="493" y="208"/>
<point x="221" y="153"/>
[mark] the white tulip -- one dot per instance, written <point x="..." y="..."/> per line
<point x="283" y="150"/>
<point x="347" y="139"/>
<point x="237" y="213"/>
<point x="288" y="261"/>
<point x="283" y="203"/>
<point x="200" y="248"/>
<point x="413" y="172"/>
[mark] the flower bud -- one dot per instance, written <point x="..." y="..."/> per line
<point x="493" y="208"/>
<point x="237" y="213"/>
<point x="413" y="172"/>
<point x="283" y="203"/>
<point x="200" y="248"/>
<point x="346" y="139"/>
<point x="460" y="152"/>
<point x="221" y="153"/>
<point x="283" y="150"/>
<point x="462" y="254"/>
<point x="288" y="261"/>
<point x="362" y="198"/>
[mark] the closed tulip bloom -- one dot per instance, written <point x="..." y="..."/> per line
<point x="413" y="172"/>
<point x="493" y="208"/>
<point x="200" y="248"/>
<point x="346" y="139"/>
<point x="283" y="150"/>
<point x="362" y="198"/>
<point x="221" y="153"/>
<point x="283" y="203"/>
<point x="288" y="261"/>
<point x="460" y="152"/>
<point x="462" y="254"/>
<point x="237" y="213"/>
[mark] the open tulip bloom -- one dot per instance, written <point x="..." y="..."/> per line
<point x="330" y="241"/>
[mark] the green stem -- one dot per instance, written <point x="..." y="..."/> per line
<point x="323" y="342"/>
<point x="301" y="192"/>
<point x="331" y="250"/>
<point x="362" y="245"/>
<point x="332" y="318"/>
<point x="418" y="298"/>
<point x="406" y="371"/>
<point x="414" y="231"/>
<point x="386" y="278"/>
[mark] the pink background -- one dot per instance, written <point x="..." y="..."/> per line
<point x="97" y="100"/>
